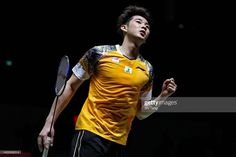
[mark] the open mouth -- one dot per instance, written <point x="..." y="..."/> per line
<point x="143" y="33"/>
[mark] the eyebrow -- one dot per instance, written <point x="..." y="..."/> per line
<point x="138" y="18"/>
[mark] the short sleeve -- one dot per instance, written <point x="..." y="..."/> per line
<point x="86" y="65"/>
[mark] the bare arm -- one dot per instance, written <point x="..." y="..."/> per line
<point x="71" y="86"/>
<point x="168" y="88"/>
<point x="70" y="89"/>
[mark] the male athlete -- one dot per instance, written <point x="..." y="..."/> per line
<point x="120" y="79"/>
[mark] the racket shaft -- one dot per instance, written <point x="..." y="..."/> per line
<point x="45" y="152"/>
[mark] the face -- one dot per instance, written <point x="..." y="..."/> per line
<point x="138" y="27"/>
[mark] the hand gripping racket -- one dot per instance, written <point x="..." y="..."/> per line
<point x="62" y="74"/>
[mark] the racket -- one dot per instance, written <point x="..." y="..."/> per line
<point x="62" y="74"/>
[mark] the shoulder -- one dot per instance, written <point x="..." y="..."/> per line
<point x="147" y="63"/>
<point x="96" y="52"/>
<point x="104" y="48"/>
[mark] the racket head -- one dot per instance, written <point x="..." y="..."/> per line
<point x="62" y="74"/>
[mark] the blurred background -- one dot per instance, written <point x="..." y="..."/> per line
<point x="192" y="41"/>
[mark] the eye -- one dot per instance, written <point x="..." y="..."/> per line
<point x="138" y="21"/>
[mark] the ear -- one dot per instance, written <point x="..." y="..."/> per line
<point x="123" y="28"/>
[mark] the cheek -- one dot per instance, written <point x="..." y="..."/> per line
<point x="148" y="33"/>
<point x="133" y="26"/>
<point x="132" y="29"/>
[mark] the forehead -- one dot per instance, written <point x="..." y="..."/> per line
<point x="138" y="17"/>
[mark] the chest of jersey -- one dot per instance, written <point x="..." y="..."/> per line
<point x="114" y="69"/>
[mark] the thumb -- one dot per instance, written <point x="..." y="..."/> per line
<point x="40" y="143"/>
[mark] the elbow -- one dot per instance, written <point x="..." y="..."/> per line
<point x="141" y="116"/>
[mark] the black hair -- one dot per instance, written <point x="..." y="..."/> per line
<point x="131" y="11"/>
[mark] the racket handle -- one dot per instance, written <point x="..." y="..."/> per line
<point x="45" y="152"/>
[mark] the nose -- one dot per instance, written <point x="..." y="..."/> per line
<point x="144" y="27"/>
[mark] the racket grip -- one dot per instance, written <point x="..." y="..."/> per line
<point x="45" y="152"/>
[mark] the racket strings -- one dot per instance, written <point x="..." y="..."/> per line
<point x="62" y="75"/>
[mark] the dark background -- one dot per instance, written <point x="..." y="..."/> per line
<point x="192" y="41"/>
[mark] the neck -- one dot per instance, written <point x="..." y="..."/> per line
<point x="129" y="49"/>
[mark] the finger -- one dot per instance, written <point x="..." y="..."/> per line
<point x="46" y="142"/>
<point x="172" y="84"/>
<point x="171" y="88"/>
<point x="167" y="81"/>
<point x="40" y="145"/>
<point x="171" y="79"/>
<point x="51" y="141"/>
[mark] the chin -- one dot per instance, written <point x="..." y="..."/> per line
<point x="142" y="39"/>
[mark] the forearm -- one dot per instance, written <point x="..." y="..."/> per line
<point x="148" y="107"/>
<point x="60" y="103"/>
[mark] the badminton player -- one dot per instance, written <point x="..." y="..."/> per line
<point x="120" y="79"/>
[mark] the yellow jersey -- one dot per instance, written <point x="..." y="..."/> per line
<point x="116" y="86"/>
